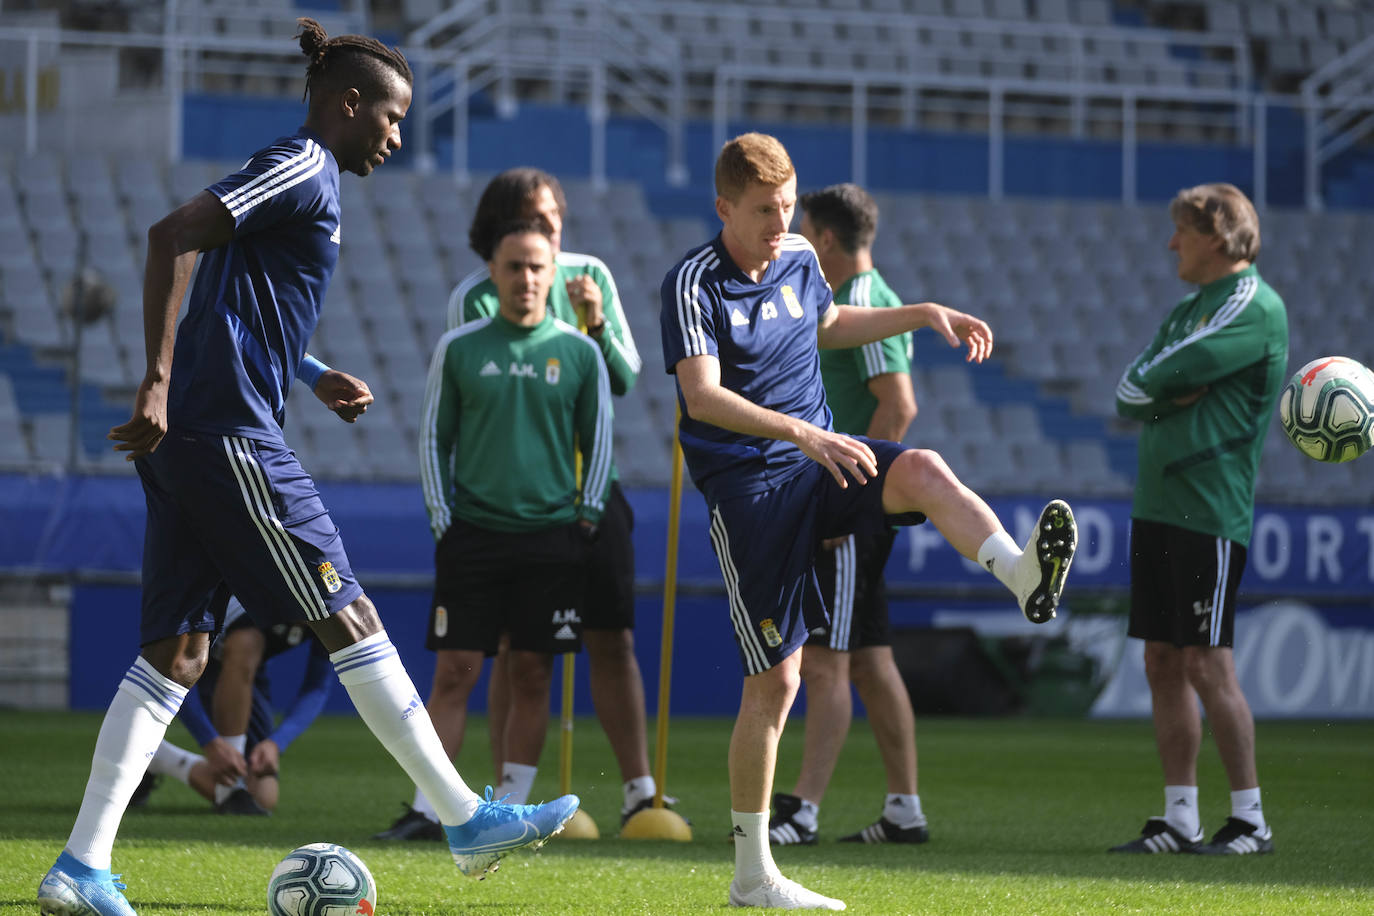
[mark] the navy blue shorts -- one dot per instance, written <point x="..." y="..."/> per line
<point x="235" y="513"/>
<point x="855" y="593"/>
<point x="766" y="544"/>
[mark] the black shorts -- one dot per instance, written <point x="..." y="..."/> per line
<point x="609" y="602"/>
<point x="855" y="594"/>
<point x="1183" y="585"/>
<point x="526" y="584"/>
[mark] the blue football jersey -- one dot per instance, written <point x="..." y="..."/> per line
<point x="256" y="300"/>
<point x="764" y="335"/>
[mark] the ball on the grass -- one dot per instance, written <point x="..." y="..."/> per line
<point x="1327" y="409"/>
<point x="321" y="879"/>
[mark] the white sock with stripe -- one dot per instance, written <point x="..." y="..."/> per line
<point x="423" y="806"/>
<point x="904" y="810"/>
<point x="1246" y="806"/>
<point x="174" y="761"/>
<point x="517" y="779"/>
<point x="142" y="708"/>
<point x="1180" y="810"/>
<point x="753" y="858"/>
<point x="637" y="790"/>
<point x="998" y="555"/>
<point x="240" y="744"/>
<point x="380" y="688"/>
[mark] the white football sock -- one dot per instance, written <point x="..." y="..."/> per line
<point x="637" y="790"/>
<point x="385" y="697"/>
<point x="516" y="781"/>
<point x="240" y="744"/>
<point x="998" y="555"/>
<point x="808" y="815"/>
<point x="753" y="858"/>
<point x="142" y="708"/>
<point x="1245" y="806"/>
<point x="904" y="810"/>
<point x="1180" y="810"/>
<point x="174" y="761"/>
<point x="423" y="806"/>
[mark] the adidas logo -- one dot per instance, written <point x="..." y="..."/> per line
<point x="565" y="632"/>
<point x="338" y="234"/>
<point x="737" y="318"/>
<point x="1181" y="803"/>
<point x="739" y="831"/>
<point x="490" y="369"/>
<point x="988" y="564"/>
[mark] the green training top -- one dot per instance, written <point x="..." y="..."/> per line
<point x="475" y="298"/>
<point x="846" y="373"/>
<point x="503" y="408"/>
<point x="1198" y="463"/>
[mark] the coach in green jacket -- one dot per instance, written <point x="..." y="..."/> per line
<point x="1205" y="388"/>
<point x="512" y="402"/>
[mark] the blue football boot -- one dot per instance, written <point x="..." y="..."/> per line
<point x="498" y="829"/>
<point x="73" y="889"/>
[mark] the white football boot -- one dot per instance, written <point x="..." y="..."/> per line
<point x="779" y="893"/>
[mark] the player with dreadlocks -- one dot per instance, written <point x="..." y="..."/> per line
<point x="229" y="506"/>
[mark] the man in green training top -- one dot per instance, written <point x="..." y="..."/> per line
<point x="1205" y="388"/>
<point x="584" y="295"/>
<point x="869" y="392"/>
<point x="511" y="404"/>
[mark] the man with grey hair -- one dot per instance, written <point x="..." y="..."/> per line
<point x="1205" y="389"/>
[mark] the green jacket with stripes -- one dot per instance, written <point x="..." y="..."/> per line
<point x="1197" y="462"/>
<point x="507" y="411"/>
<point x="846" y="373"/>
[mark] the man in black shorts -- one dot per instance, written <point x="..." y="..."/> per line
<point x="1205" y="388"/>
<point x="513" y="403"/>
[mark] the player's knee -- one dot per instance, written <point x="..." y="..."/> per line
<point x="1207" y="670"/>
<point x="179" y="658"/>
<point x="1163" y="664"/>
<point x="914" y="474"/>
<point x="455" y="674"/>
<point x="604" y="647"/>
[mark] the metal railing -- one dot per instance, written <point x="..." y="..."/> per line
<point x="1338" y="101"/>
<point x="620" y="56"/>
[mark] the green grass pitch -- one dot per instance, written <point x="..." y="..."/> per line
<point x="1021" y="813"/>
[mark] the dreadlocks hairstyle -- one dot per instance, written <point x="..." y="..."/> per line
<point x="504" y="198"/>
<point x="356" y="61"/>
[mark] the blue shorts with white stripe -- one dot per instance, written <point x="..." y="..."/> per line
<point x="242" y="514"/>
<point x="766" y="546"/>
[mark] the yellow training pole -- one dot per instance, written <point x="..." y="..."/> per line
<point x="565" y="746"/>
<point x="581" y="827"/>
<point x="658" y="822"/>
<point x="665" y="665"/>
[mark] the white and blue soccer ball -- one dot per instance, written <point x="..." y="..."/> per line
<point x="1327" y="409"/>
<point x="321" y="880"/>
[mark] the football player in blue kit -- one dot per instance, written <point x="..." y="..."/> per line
<point x="228" y="503"/>
<point x="742" y="319"/>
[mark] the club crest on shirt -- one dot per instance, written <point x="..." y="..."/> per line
<point x="330" y="576"/>
<point x="789" y="298"/>
<point x="770" y="632"/>
<point x="551" y="371"/>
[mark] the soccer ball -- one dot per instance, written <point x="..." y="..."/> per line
<point x="321" y="880"/>
<point x="1327" y="409"/>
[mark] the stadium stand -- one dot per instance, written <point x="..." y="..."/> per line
<point x="1072" y="288"/>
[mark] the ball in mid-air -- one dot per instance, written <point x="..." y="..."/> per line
<point x="321" y="880"/>
<point x="1327" y="409"/>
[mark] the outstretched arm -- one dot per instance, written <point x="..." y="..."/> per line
<point x="710" y="402"/>
<point x="174" y="243"/>
<point x="845" y="326"/>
